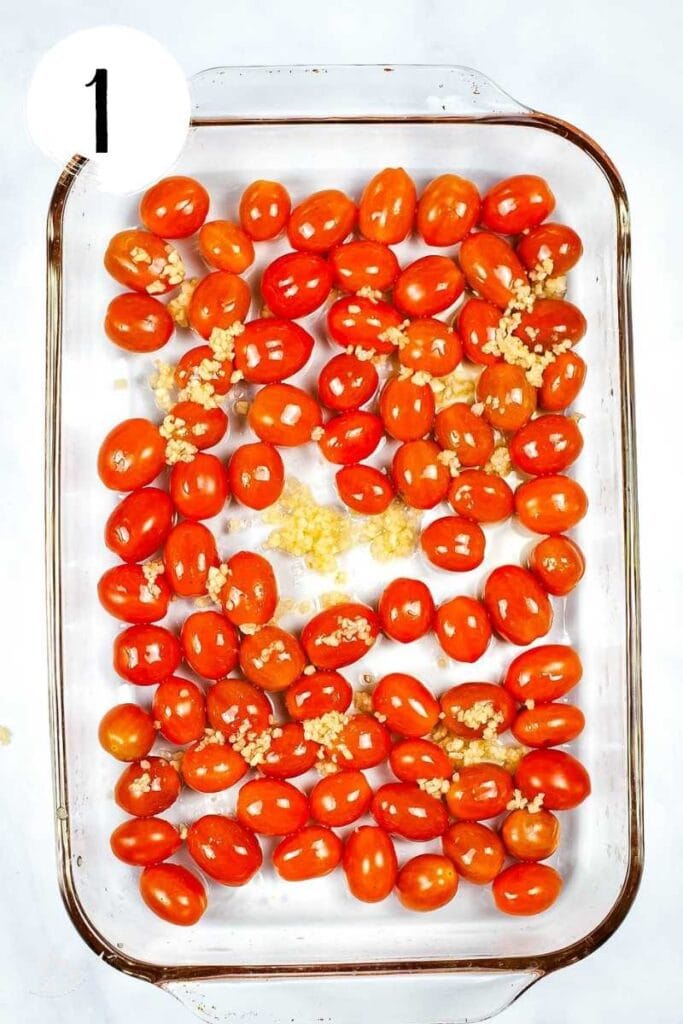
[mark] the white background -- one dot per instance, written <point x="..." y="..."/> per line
<point x="609" y="68"/>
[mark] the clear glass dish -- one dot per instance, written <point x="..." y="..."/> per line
<point x="314" y="127"/>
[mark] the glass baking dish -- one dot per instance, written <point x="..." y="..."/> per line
<point x="323" y="954"/>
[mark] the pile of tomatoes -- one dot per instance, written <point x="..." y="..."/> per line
<point x="224" y="722"/>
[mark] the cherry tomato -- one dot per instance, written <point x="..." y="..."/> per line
<point x="364" y="742"/>
<point x="179" y="707"/>
<point x="203" y="427"/>
<point x="127" y="732"/>
<point x="517" y="204"/>
<point x="211" y="767"/>
<point x="463" y="628"/>
<point x="562" y="381"/>
<point x="363" y="323"/>
<point x="461" y="706"/>
<point x="290" y="753"/>
<point x="454" y="544"/>
<point x="296" y="284"/>
<point x="479" y="791"/>
<point x="146" y="654"/>
<point x="234" y="703"/>
<point x="189" y="370"/>
<point x="250" y="595"/>
<point x="132" y="454"/>
<point x="530" y="836"/>
<point x="282" y="414"/>
<point x="144" y="841"/>
<point x="311" y="852"/>
<point x="173" y="893"/>
<point x="563" y="781"/>
<point x="147" y="787"/>
<point x="264" y="209"/>
<point x="269" y="350"/>
<point x="271" y="807"/>
<point x="126" y="593"/>
<point x="199" y="488"/>
<point x="420" y="477"/>
<point x="139" y="524"/>
<point x="459" y="429"/>
<point x="365" y="489"/>
<point x="477" y="323"/>
<point x="350" y="437"/>
<point x="548" y="725"/>
<point x="525" y="889"/>
<point x="362" y="264"/>
<point x="387" y="207"/>
<point x="406" y="408"/>
<point x="346" y="382"/>
<point x="321" y="221"/>
<point x="339" y="635"/>
<point x="430" y="346"/>
<point x="558" y="564"/>
<point x="548" y="444"/>
<point x="517" y="605"/>
<point x="175" y="207"/>
<point x="554" y="242"/>
<point x="550" y="504"/>
<point x="138" y="323"/>
<point x="406" y="704"/>
<point x="543" y="674"/>
<point x="491" y="268"/>
<point x="415" y="759"/>
<point x="427" y="882"/>
<point x="271" y="658"/>
<point x="370" y="864"/>
<point x="406" y="610"/>
<point x="448" y="210"/>
<point x="550" y="323"/>
<point x="509" y="399"/>
<point x="483" y="497"/>
<point x="339" y="799"/>
<point x="189" y="553"/>
<point x="404" y="809"/>
<point x="316" y="694"/>
<point x="225" y="246"/>
<point x="256" y="475"/>
<point x="475" y="849"/>
<point x="144" y="263"/>
<point x="428" y="286"/>
<point x="224" y="849"/>
<point x="219" y="300"/>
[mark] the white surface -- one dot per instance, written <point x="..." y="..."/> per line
<point x="612" y="75"/>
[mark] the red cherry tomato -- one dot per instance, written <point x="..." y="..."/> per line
<point x="199" y="488"/>
<point x="346" y="382"/>
<point x="339" y="635"/>
<point x="271" y="807"/>
<point x="420" y="477"/>
<point x="311" y="852"/>
<point x="459" y="429"/>
<point x="558" y="564"/>
<point x="415" y="759"/>
<point x="256" y="475"/>
<point x="179" y="707"/>
<point x="211" y="767"/>
<point x="364" y="489"/>
<point x="271" y="658"/>
<point x="321" y="221"/>
<point x="233" y="703"/>
<point x="290" y="753"/>
<point x="282" y="414"/>
<point x="428" y="286"/>
<point x="491" y="268"/>
<point x="463" y="628"/>
<point x="364" y="742"/>
<point x="339" y="799"/>
<point x="548" y="444"/>
<point x="431" y="346"/>
<point x="364" y="264"/>
<point x="173" y="893"/>
<point x="548" y="725"/>
<point x="550" y="504"/>
<point x="477" y="324"/>
<point x="517" y="605"/>
<point x="406" y="704"/>
<point x="462" y="706"/>
<point x="517" y="204"/>
<point x="316" y="694"/>
<point x="146" y="654"/>
<point x="132" y="454"/>
<point x="264" y="209"/>
<point x="225" y="246"/>
<point x="479" y="791"/>
<point x="483" y="497"/>
<point x="370" y="864"/>
<point x="139" y="525"/>
<point x="387" y="207"/>
<point x="543" y="674"/>
<point x="147" y="787"/>
<point x="175" y="207"/>
<point x="296" y="284"/>
<point x="554" y="242"/>
<point x="563" y="781"/>
<point x="250" y="595"/>
<point x="448" y="210"/>
<point x="224" y="849"/>
<point x="351" y="437"/>
<point x="427" y="882"/>
<point x="475" y="849"/>
<point x="454" y="544"/>
<point x="550" y="323"/>
<point x="138" y="322"/>
<point x="525" y="889"/>
<point x="144" y="841"/>
<point x="404" y="809"/>
<point x="270" y="350"/>
<point x="406" y="408"/>
<point x="219" y="300"/>
<point x="562" y="381"/>
<point x="530" y="835"/>
<point x="204" y="427"/>
<point x="125" y="592"/>
<point x="189" y="553"/>
<point x="406" y="610"/>
<point x="508" y="397"/>
<point x="127" y="732"/>
<point x="144" y="263"/>
<point x="363" y="323"/>
<point x="189" y="370"/>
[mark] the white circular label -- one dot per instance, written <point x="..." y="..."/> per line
<point x="116" y="96"/>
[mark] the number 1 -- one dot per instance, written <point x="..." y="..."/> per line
<point x="99" y="80"/>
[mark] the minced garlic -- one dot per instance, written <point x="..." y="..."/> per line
<point x="222" y="341"/>
<point x="466" y="752"/>
<point x="332" y="597"/>
<point x="396" y="335"/>
<point x="457" y="386"/>
<point x="150" y="570"/>
<point x="326" y="729"/>
<point x="435" y="787"/>
<point x="162" y="383"/>
<point x="393" y="533"/>
<point x="316" y="533"/>
<point x="449" y="458"/>
<point x="368" y="292"/>
<point x="520" y="803"/>
<point x="216" y="581"/>
<point x="500" y="462"/>
<point x="179" y="306"/>
<point x="481" y="713"/>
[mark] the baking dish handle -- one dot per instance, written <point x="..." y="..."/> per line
<point x="460" y="997"/>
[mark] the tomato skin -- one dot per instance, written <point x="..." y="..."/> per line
<point x="420" y="478"/>
<point x="415" y="759"/>
<point x="230" y="703"/>
<point x="235" y="855"/>
<point x="402" y="808"/>
<point x="270" y="350"/>
<point x="205" y="427"/>
<point x="311" y="696"/>
<point x="162" y="790"/>
<point x="406" y="408"/>
<point x="491" y="267"/>
<point x="219" y="300"/>
<point x="179" y="706"/>
<point x="475" y="849"/>
<point x="144" y="841"/>
<point x="340" y="799"/>
<point x="364" y="742"/>
<point x="552" y="322"/>
<point x="142" y="262"/>
<point x="461" y="698"/>
<point x="364" y="489"/>
<point x="290" y="753"/>
<point x="548" y="725"/>
<point x="430" y="345"/>
<point x="127" y="732"/>
<point x="199" y="488"/>
<point x="311" y="852"/>
<point x="351" y="437"/>
<point x="330" y="622"/>
<point x="346" y="382"/>
<point x="479" y="791"/>
<point x="448" y="210"/>
<point x="406" y="609"/>
<point x="562" y="779"/>
<point x="360" y="322"/>
<point x="543" y="674"/>
<point x="364" y="264"/>
<point x="284" y="415"/>
<point x="126" y="594"/>
<point x="509" y="399"/>
<point x="264" y="209"/>
<point x="187" y="369"/>
<point x="477" y="324"/>
<point x="146" y="654"/>
<point x="387" y="207"/>
<point x="271" y="658"/>
<point x="296" y="284"/>
<point x="175" y="207"/>
<point x="256" y="475"/>
<point x="225" y="246"/>
<point x="271" y="807"/>
<point x="428" y="285"/>
<point x="454" y="544"/>
<point x="189" y="553"/>
<point x="517" y="605"/>
<point x="555" y="242"/>
<point x="408" y="706"/>
<point x="550" y="504"/>
<point x="321" y="221"/>
<point x="558" y="563"/>
<point x="138" y="322"/>
<point x="427" y="882"/>
<point x="370" y="864"/>
<point x="530" y="836"/>
<point x="517" y="204"/>
<point x="460" y="430"/>
<point x="545" y="445"/>
<point x="131" y="455"/>
<point x="173" y="893"/>
<point x="525" y="889"/>
<point x="463" y="628"/>
<point x="212" y="767"/>
<point x="251" y="594"/>
<point x="482" y="497"/>
<point x="562" y="382"/>
<point x="139" y="524"/>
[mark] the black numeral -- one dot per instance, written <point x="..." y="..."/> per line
<point x="99" y="80"/>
